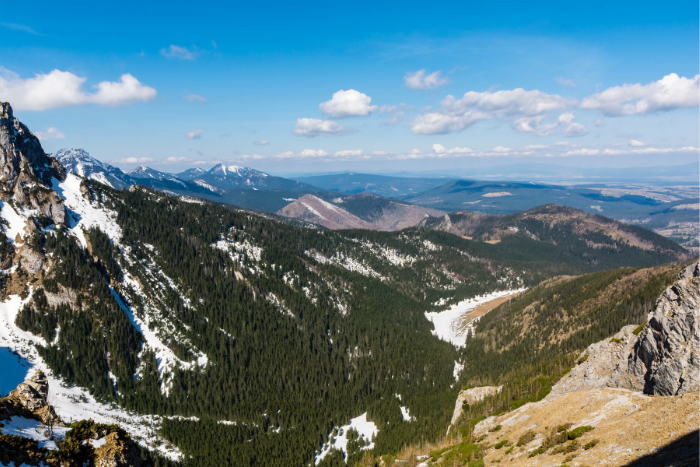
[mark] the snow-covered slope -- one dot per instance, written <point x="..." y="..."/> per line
<point x="190" y="174"/>
<point x="79" y="162"/>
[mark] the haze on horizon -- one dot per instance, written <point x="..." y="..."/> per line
<point x="367" y="87"/>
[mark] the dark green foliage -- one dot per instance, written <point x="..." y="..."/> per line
<point x="287" y="379"/>
<point x="591" y="444"/>
<point x="580" y="431"/>
<point x="526" y="438"/>
<point x="500" y="444"/>
<point x="639" y="328"/>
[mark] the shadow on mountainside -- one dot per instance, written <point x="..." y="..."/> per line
<point x="680" y="453"/>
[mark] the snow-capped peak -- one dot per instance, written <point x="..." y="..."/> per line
<point x="79" y="162"/>
<point x="235" y="170"/>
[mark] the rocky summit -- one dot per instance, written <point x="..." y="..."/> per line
<point x="27" y="171"/>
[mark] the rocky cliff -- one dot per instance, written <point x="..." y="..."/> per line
<point x="26" y="172"/>
<point x="659" y="357"/>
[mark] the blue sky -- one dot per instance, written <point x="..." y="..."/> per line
<point x="362" y="86"/>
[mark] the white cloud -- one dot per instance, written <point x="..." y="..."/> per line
<point x="598" y="122"/>
<point x="312" y="153"/>
<point x="576" y="129"/>
<point x="349" y="153"/>
<point x="63" y="89"/>
<point x="582" y="152"/>
<point x="564" y="143"/>
<point x="634" y="142"/>
<point x="131" y="160"/>
<point x="20" y="27"/>
<point x="419" y="80"/>
<point x="669" y="93"/>
<point x="566" y="82"/>
<point x="501" y="149"/>
<point x="194" y="134"/>
<point x="379" y="153"/>
<point x="348" y="103"/>
<point x="254" y="157"/>
<point x="641" y="151"/>
<point x="527" y="109"/>
<point x="192" y="98"/>
<point x="51" y="133"/>
<point x="537" y="146"/>
<point x="311" y="127"/>
<point x="183" y="53"/>
<point x="285" y="155"/>
<point x="261" y="142"/>
<point x="396" y="113"/>
<point x="440" y="149"/>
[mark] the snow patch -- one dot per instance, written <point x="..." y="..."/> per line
<point x="365" y="429"/>
<point x="446" y="322"/>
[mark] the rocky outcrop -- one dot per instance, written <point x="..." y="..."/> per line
<point x="118" y="451"/>
<point x="31" y="260"/>
<point x="26" y="172"/>
<point x="30" y="400"/>
<point x="661" y="359"/>
<point x="665" y="358"/>
<point x="469" y="397"/>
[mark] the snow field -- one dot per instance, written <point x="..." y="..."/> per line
<point x="71" y="403"/>
<point x="365" y="428"/>
<point x="445" y="321"/>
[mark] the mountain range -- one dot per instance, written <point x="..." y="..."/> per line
<point x="212" y="335"/>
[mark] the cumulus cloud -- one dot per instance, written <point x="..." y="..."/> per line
<point x="194" y="134"/>
<point x="669" y="93"/>
<point x="440" y="149"/>
<point x="63" y="89"/>
<point x="634" y="142"/>
<point x="349" y="153"/>
<point x="305" y="154"/>
<point x="311" y="127"/>
<point x="526" y="110"/>
<point x="537" y="146"/>
<point x="419" y="80"/>
<point x="261" y="142"/>
<point x="51" y="133"/>
<point x="192" y="98"/>
<point x="183" y="53"/>
<point x="566" y="82"/>
<point x="348" y="103"/>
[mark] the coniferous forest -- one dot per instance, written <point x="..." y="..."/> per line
<point x="300" y="329"/>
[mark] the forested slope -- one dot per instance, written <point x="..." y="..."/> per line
<point x="253" y="338"/>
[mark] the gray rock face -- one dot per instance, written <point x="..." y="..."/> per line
<point x="32" y="393"/>
<point x="665" y="358"/>
<point x="25" y="169"/>
<point x="471" y="396"/>
<point x="32" y="261"/>
<point x="662" y="360"/>
<point x="602" y="360"/>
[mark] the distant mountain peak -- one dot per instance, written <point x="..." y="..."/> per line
<point x="80" y="162"/>
<point x="236" y="170"/>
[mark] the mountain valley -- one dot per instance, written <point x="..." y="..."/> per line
<point x="214" y="335"/>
